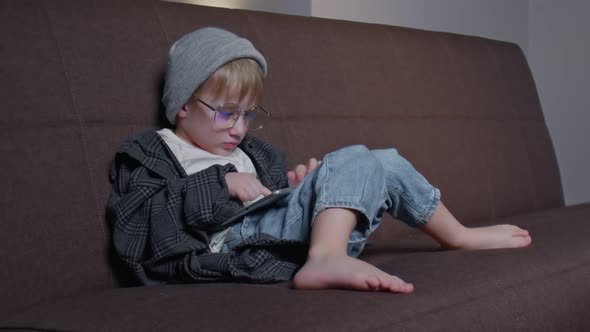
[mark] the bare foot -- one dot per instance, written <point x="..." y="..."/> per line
<point x="341" y="271"/>
<point x="493" y="237"/>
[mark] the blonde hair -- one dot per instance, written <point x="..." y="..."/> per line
<point x="244" y="73"/>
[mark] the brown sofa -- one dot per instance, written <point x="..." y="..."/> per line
<point x="80" y="76"/>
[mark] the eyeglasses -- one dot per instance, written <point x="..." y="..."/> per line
<point x="227" y="115"/>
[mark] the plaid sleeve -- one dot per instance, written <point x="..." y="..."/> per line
<point x="207" y="202"/>
<point x="271" y="163"/>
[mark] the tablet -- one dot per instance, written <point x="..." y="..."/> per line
<point x="261" y="203"/>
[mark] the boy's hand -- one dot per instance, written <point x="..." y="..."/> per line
<point x="300" y="172"/>
<point x="245" y="186"/>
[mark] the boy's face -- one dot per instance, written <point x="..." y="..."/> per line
<point x="195" y="122"/>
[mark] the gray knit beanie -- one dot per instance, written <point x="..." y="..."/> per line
<point x="195" y="57"/>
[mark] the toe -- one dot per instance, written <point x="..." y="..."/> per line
<point x="404" y="288"/>
<point x="399" y="286"/>
<point x="373" y="283"/>
<point x="525" y="241"/>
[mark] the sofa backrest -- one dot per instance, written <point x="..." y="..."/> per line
<point x="80" y="76"/>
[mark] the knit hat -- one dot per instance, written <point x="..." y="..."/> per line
<point x="195" y="57"/>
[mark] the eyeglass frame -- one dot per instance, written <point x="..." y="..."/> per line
<point x="240" y="111"/>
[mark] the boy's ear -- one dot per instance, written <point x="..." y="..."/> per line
<point x="181" y="113"/>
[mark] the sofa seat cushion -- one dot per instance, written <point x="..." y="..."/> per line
<point x="542" y="287"/>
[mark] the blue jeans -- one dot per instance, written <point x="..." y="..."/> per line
<point x="369" y="181"/>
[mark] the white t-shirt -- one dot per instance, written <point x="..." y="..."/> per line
<point x="194" y="159"/>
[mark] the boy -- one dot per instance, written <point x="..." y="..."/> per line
<point x="174" y="190"/>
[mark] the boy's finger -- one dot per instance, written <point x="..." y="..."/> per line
<point x="265" y="191"/>
<point x="292" y="178"/>
<point x="311" y="164"/>
<point x="301" y="172"/>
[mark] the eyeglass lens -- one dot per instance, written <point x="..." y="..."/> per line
<point x="226" y="117"/>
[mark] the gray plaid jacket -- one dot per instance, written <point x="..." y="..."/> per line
<point x="162" y="218"/>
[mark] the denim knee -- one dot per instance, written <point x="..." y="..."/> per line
<point x="412" y="199"/>
<point x="351" y="177"/>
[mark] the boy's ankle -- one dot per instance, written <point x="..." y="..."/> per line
<point x="455" y="241"/>
<point x="320" y="253"/>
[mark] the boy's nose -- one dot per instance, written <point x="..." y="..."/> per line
<point x="239" y="127"/>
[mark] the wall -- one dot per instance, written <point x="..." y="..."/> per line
<point x="559" y="55"/>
